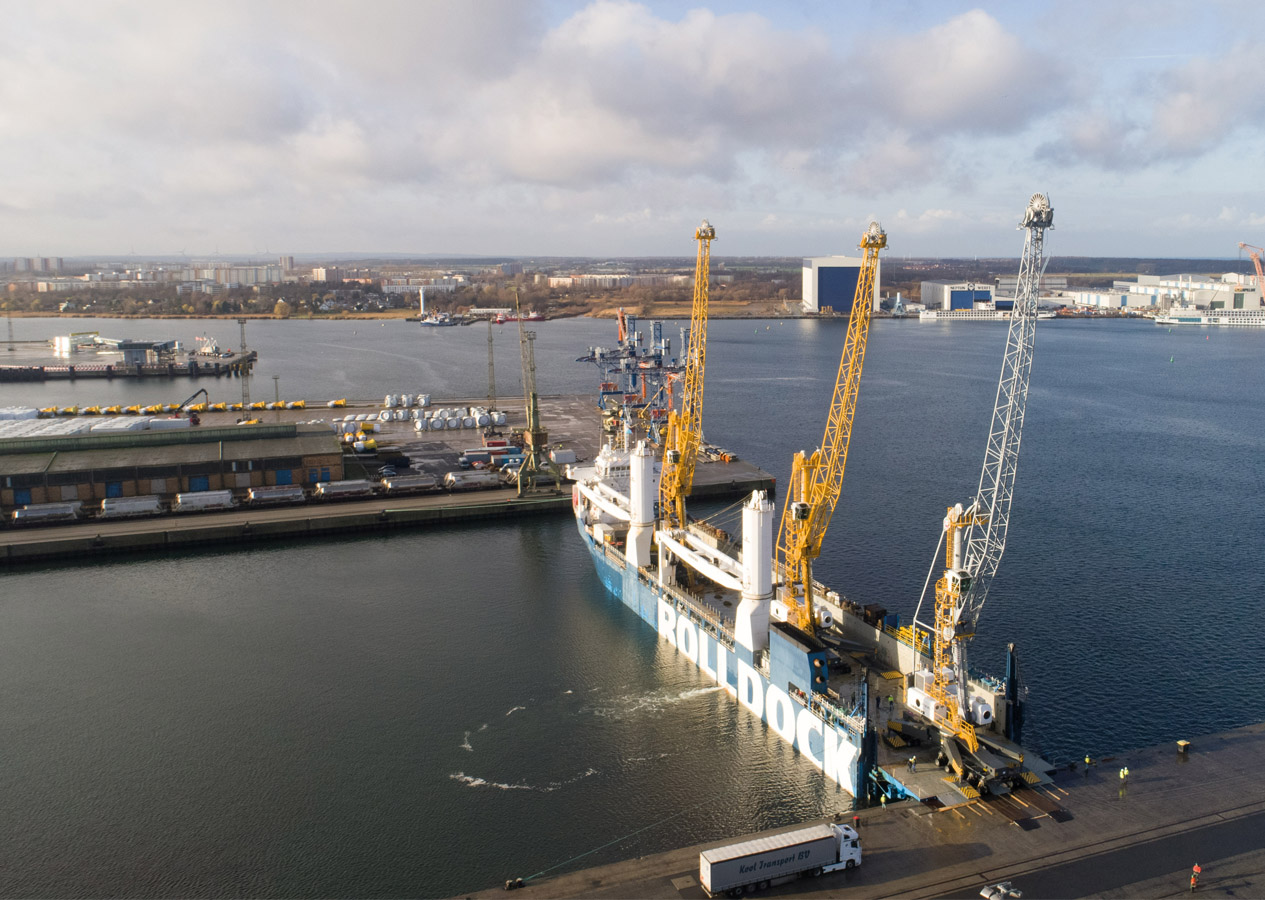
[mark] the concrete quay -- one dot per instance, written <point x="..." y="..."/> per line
<point x="1138" y="838"/>
<point x="573" y="425"/>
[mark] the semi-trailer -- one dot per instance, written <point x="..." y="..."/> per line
<point x="759" y="863"/>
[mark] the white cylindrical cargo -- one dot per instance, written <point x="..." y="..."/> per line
<point x="483" y="420"/>
<point x="389" y="400"/>
<point x="453" y="424"/>
<point x="423" y="399"/>
<point x="406" y="399"/>
<point x="501" y="418"/>
<point x="468" y="422"/>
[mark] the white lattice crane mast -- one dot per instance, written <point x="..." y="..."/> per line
<point x="685" y="429"/>
<point x="817" y="480"/>
<point x="975" y="535"/>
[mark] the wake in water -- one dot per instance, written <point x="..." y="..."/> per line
<point x="655" y="701"/>
<point x="475" y="782"/>
<point x="465" y="744"/>
<point x="514" y="710"/>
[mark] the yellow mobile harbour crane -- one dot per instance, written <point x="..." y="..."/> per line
<point x="974" y="536"/>
<point x="685" y="429"/>
<point x="817" y="480"/>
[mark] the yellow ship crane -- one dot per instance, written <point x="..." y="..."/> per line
<point x="975" y="534"/>
<point x="685" y="429"/>
<point x="1255" y="254"/>
<point x="817" y="480"/>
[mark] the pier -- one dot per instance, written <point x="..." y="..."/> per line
<point x="1134" y="837"/>
<point x="572" y="423"/>
<point x="194" y="368"/>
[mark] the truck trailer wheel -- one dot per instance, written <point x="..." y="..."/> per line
<point x="851" y="864"/>
<point x="817" y="872"/>
<point x="763" y="886"/>
<point x="734" y="892"/>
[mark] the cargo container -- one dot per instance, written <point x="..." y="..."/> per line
<point x="343" y="490"/>
<point x="561" y="457"/>
<point x="410" y="484"/>
<point x="471" y="481"/>
<point x="474" y="458"/>
<point x="128" y="507"/>
<point x="275" y="494"/>
<point x="759" y="863"/>
<point x="203" y="501"/>
<point x="42" y="513"/>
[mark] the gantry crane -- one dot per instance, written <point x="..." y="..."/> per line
<point x="817" y="480"/>
<point x="685" y="429"/>
<point x="1255" y="254"/>
<point x="975" y="534"/>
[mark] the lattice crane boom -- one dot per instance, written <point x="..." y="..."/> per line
<point x="685" y="429"/>
<point x="817" y="479"/>
<point x="975" y="535"/>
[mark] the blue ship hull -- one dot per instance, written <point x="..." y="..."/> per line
<point x="824" y="734"/>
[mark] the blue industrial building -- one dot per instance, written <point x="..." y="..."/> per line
<point x="830" y="282"/>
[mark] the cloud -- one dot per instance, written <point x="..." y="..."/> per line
<point x="525" y="122"/>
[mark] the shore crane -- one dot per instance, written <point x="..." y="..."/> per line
<point x="535" y="437"/>
<point x="974" y="535"/>
<point x="685" y="429"/>
<point x="817" y="479"/>
<point x="1255" y="254"/>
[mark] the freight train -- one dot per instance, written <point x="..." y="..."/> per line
<point x="255" y="498"/>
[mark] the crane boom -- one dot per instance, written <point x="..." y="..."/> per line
<point x="975" y="535"/>
<point x="685" y="429"/>
<point x="817" y="479"/>
<point x="1255" y="254"/>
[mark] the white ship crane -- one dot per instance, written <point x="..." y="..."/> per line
<point x="975" y="533"/>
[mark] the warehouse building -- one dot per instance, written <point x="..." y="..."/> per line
<point x="960" y="295"/>
<point x="87" y="467"/>
<point x="830" y="283"/>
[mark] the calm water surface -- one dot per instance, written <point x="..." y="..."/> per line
<point x="426" y="713"/>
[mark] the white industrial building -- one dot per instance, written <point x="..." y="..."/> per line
<point x="830" y="283"/>
<point x="1230" y="291"/>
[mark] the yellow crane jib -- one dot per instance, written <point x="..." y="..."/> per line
<point x="817" y="479"/>
<point x="685" y="429"/>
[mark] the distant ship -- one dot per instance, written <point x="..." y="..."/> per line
<point x="974" y="315"/>
<point x="436" y="320"/>
<point x="1189" y="315"/>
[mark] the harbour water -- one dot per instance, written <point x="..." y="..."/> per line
<point x="426" y="713"/>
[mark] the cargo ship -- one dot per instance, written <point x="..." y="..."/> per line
<point x="803" y="658"/>
<point x="708" y="596"/>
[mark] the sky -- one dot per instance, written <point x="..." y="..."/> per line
<point x="611" y="128"/>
